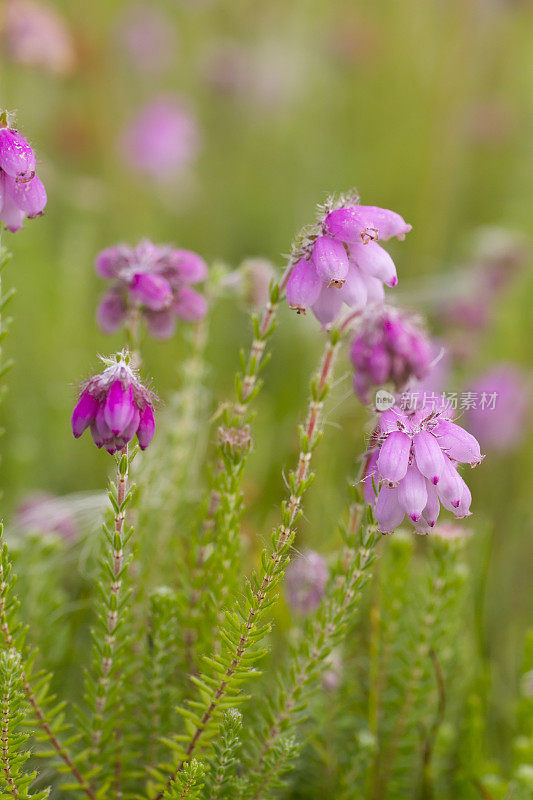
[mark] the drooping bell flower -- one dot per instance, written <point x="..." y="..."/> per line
<point x="389" y="347"/>
<point x="115" y="406"/>
<point x="412" y="468"/>
<point x="154" y="279"/>
<point x="338" y="261"/>
<point x="21" y="191"/>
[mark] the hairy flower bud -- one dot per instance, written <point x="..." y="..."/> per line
<point x="338" y="261"/>
<point x="116" y="406"/>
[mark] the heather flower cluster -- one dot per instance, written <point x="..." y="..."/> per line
<point x="390" y="347"/>
<point x="21" y="191"/>
<point x="340" y="260"/>
<point x="154" y="279"/>
<point x="115" y="406"/>
<point x="412" y="468"/>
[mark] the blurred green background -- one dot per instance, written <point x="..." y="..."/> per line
<point x="425" y="107"/>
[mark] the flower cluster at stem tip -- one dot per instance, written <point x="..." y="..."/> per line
<point x="156" y="279"/>
<point x="21" y="191"/>
<point x="389" y="347"/>
<point x="116" y="406"/>
<point x="412" y="468"/>
<point x="340" y="261"/>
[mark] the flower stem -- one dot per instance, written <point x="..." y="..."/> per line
<point x="323" y="631"/>
<point x="260" y="591"/>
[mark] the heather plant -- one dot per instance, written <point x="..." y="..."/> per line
<point x="203" y="665"/>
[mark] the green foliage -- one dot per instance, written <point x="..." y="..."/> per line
<point x="221" y="778"/>
<point x="14" y="780"/>
<point x="244" y="627"/>
<point x="283" y="711"/>
<point x="188" y="784"/>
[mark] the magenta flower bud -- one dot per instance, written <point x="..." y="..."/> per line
<point x="365" y="223"/>
<point x="328" y="306"/>
<point x="393" y="457"/>
<point x="354" y="292"/>
<point x="17" y="158"/>
<point x="151" y="291"/>
<point x="347" y="225"/>
<point x="185" y="266"/>
<point x="412" y="493"/>
<point x="111" y="311"/>
<point x="303" y="287"/>
<point x="389" y="347"/>
<point x="330" y="260"/>
<point x="29" y="196"/>
<point x="373" y="260"/>
<point x="428" y="455"/>
<point x="412" y="471"/>
<point x="305" y="582"/>
<point x="146" y="428"/>
<point x="189" y="305"/>
<point x="374" y="289"/>
<point x="119" y="407"/>
<point x="84" y="413"/>
<point x="387" y="223"/>
<point x="116" y="406"/>
<point x="11" y="215"/>
<point x="458" y="443"/>
<point x="387" y="509"/>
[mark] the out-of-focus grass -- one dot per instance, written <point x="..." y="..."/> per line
<point x="425" y="107"/>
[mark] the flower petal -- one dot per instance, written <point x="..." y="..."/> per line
<point x="429" y="457"/>
<point x="458" y="443"/>
<point x="412" y="493"/>
<point x="388" y="512"/>
<point x="394" y="456"/>
<point x="375" y="261"/>
<point x="330" y="260"/>
<point x="327" y="307"/>
<point x="303" y="287"/>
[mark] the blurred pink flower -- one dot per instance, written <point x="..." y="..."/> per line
<point x="450" y="531"/>
<point x="500" y="415"/>
<point x="162" y="140"/>
<point x="147" y="38"/>
<point x="305" y="582"/>
<point x="45" y="513"/>
<point x="35" y="34"/>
